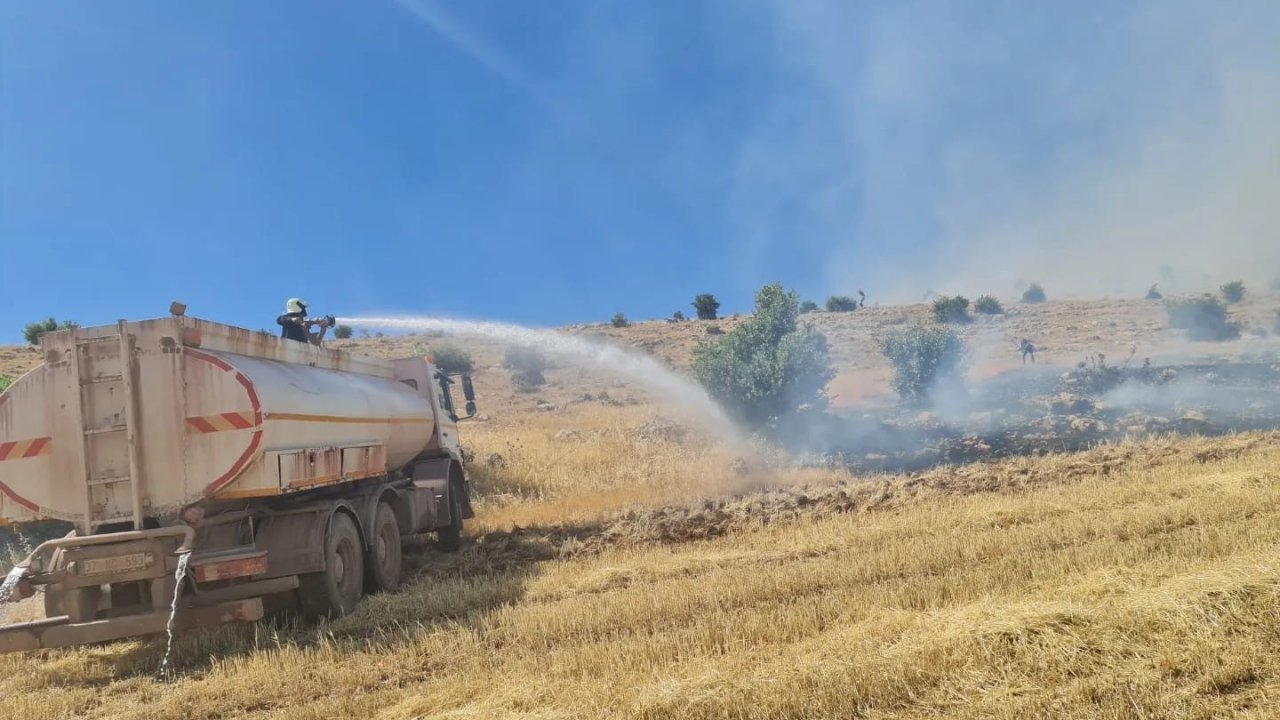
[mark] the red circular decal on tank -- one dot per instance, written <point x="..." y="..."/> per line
<point x="230" y="421"/>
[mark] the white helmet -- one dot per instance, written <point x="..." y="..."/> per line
<point x="296" y="305"/>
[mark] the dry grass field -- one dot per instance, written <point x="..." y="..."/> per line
<point x="1129" y="581"/>
<point x="623" y="566"/>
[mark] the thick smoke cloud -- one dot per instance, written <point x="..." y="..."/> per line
<point x="972" y="147"/>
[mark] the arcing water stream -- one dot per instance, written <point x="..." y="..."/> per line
<point x="10" y="584"/>
<point x="178" y="576"/>
<point x="641" y="368"/>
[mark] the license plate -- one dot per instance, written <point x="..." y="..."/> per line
<point x="118" y="564"/>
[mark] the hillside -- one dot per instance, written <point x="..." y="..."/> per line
<point x="1064" y="331"/>
<point x="625" y="564"/>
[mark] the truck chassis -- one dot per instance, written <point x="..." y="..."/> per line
<point x="318" y="551"/>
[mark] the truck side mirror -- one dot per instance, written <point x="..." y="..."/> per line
<point x="469" y="393"/>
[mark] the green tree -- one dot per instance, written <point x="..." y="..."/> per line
<point x="342" y="332"/>
<point x="706" y="306"/>
<point x="1233" y="292"/>
<point x="527" y="367"/>
<point x="923" y="356"/>
<point x="1204" y="318"/>
<point x="808" y="306"/>
<point x="619" y="320"/>
<point x="953" y="309"/>
<point x="31" y="332"/>
<point x="768" y="366"/>
<point x="1034" y="294"/>
<point x="841" y="303"/>
<point x="451" y="359"/>
<point x="988" y="305"/>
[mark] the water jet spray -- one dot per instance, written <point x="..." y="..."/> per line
<point x="636" y="366"/>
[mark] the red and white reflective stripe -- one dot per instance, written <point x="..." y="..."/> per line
<point x="23" y="449"/>
<point x="222" y="422"/>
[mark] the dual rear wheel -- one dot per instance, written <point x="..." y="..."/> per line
<point x="350" y="571"/>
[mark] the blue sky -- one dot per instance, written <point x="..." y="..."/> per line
<point x="554" y="162"/>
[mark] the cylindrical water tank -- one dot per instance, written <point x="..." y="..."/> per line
<point x="144" y="418"/>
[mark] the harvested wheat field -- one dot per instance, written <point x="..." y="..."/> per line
<point x="1132" y="580"/>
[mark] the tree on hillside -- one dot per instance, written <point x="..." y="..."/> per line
<point x="31" y="332"/>
<point x="451" y="359"/>
<point x="988" y="305"/>
<point x="342" y="332"/>
<point x="923" y="356"/>
<point x="841" y="303"/>
<point x="768" y="366"/>
<point x="954" y="309"/>
<point x="706" y="306"/>
<point x="1204" y="318"/>
<point x="527" y="366"/>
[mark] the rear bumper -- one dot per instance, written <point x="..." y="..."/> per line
<point x="61" y="632"/>
<point x="81" y="577"/>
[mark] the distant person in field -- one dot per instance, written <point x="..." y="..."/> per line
<point x="1028" y="351"/>
<point x="294" y="324"/>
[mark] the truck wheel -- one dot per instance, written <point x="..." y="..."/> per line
<point x="385" y="556"/>
<point x="338" y="589"/>
<point x="449" y="537"/>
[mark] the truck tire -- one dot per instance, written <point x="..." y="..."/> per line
<point x="449" y="537"/>
<point x="385" y="560"/>
<point x="338" y="588"/>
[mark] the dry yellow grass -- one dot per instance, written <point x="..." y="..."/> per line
<point x="1131" y="581"/>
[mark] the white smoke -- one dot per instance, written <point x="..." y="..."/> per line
<point x="973" y="148"/>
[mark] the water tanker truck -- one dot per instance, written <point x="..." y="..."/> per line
<point x="229" y="469"/>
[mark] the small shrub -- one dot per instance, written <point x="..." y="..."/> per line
<point x="768" y="367"/>
<point x="1204" y="319"/>
<point x="5" y="382"/>
<point x="706" y="306"/>
<point x="677" y="316"/>
<point x="1233" y="292"/>
<point x="619" y="321"/>
<point x="451" y="359"/>
<point x="953" y="309"/>
<point x="527" y="367"/>
<point x="1034" y="294"/>
<point x="808" y="306"/>
<point x="841" y="303"/>
<point x="342" y="332"/>
<point x="987" y="305"/>
<point x="923" y="356"/>
<point x="1154" y="293"/>
<point x="31" y="332"/>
